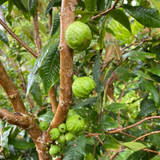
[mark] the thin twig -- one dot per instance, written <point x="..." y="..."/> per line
<point x="128" y="135"/>
<point x="133" y="125"/>
<point x="155" y="132"/>
<point x="106" y="12"/>
<point x="114" y="155"/>
<point x="18" y="39"/>
<point x="148" y="150"/>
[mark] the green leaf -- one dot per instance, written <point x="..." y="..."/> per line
<point x="147" y="107"/>
<point x="49" y="70"/>
<point x="111" y="143"/>
<point x="3" y="37"/>
<point x="48" y="116"/>
<point x="51" y="4"/>
<point x="137" y="155"/>
<point x="108" y="123"/>
<point x="3" y="1"/>
<point x="22" y="8"/>
<point x="155" y="70"/>
<point x="123" y="74"/>
<point x="76" y="149"/>
<point x="142" y="74"/>
<point x="36" y="93"/>
<point x="154" y="139"/>
<point x="84" y="16"/>
<point x="55" y="24"/>
<point x="86" y="102"/>
<point x="153" y="91"/>
<point x="135" y="146"/>
<point x="155" y="158"/>
<point x="97" y="72"/>
<point x="21" y="144"/>
<point x="90" y="4"/>
<point x="5" y="137"/>
<point x="44" y="52"/>
<point x="139" y="55"/>
<point x="100" y="5"/>
<point x="120" y="16"/>
<point x="116" y="106"/>
<point x="93" y="28"/>
<point x="156" y="4"/>
<point x="148" y="17"/>
<point x="101" y="37"/>
<point x="32" y="6"/>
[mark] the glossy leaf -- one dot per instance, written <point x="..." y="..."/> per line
<point x="123" y="74"/>
<point x="36" y="93"/>
<point x="90" y="4"/>
<point x="44" y="52"/>
<point x="51" y="4"/>
<point x="32" y="6"/>
<point x="100" y="5"/>
<point x="111" y="143"/>
<point x="147" y="107"/>
<point x="76" y="149"/>
<point x="135" y="146"/>
<point x="153" y="91"/>
<point x="55" y="24"/>
<point x="108" y="123"/>
<point x="116" y="106"/>
<point x="3" y="37"/>
<point x="120" y="16"/>
<point x="22" y="8"/>
<point x="148" y="17"/>
<point x="49" y="70"/>
<point x="155" y="158"/>
<point x="155" y="70"/>
<point x="48" y="116"/>
<point x="21" y="144"/>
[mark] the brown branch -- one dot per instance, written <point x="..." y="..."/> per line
<point x="133" y="125"/>
<point x="52" y="95"/>
<point x="66" y="63"/>
<point x="148" y="150"/>
<point x="36" y="33"/>
<point x="155" y="132"/>
<point x="12" y="91"/>
<point x="106" y="12"/>
<point x="18" y="39"/>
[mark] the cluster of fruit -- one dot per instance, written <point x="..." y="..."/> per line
<point x="66" y="132"/>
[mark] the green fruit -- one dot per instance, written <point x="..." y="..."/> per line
<point x="75" y="124"/>
<point x="69" y="136"/>
<point x="78" y="36"/>
<point x="62" y="128"/>
<point x="83" y="86"/>
<point x="43" y="125"/>
<point x="54" y="150"/>
<point x="54" y="133"/>
<point x="61" y="139"/>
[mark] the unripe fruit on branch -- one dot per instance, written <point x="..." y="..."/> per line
<point x="78" y="36"/>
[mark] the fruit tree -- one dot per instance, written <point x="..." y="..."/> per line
<point x="79" y="79"/>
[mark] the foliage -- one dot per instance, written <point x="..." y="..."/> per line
<point x="123" y="59"/>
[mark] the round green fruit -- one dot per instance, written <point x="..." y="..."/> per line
<point x="75" y="124"/>
<point x="54" y="150"/>
<point x="62" y="128"/>
<point x="61" y="139"/>
<point x="69" y="136"/>
<point x="54" y="133"/>
<point x="78" y="36"/>
<point x="43" y="125"/>
<point x="83" y="86"/>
